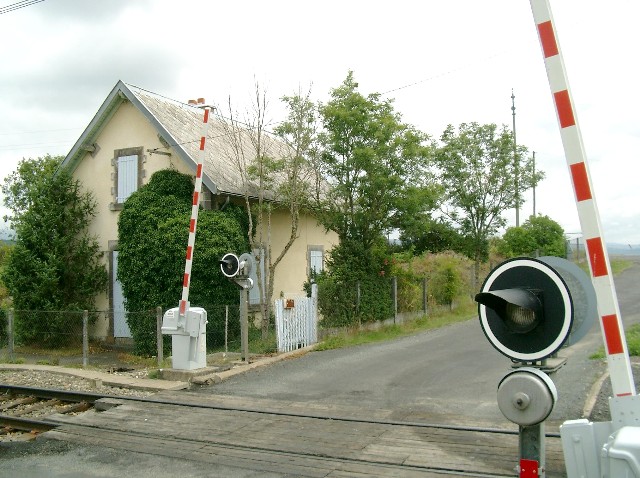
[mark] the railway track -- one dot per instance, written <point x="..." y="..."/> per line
<point x="275" y="438"/>
<point x="27" y="411"/>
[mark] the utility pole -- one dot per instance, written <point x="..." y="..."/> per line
<point x="516" y="165"/>
<point x="534" y="184"/>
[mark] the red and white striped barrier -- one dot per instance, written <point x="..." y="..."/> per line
<point x="184" y="302"/>
<point x="608" y="309"/>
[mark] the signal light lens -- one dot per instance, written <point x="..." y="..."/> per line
<point x="520" y="319"/>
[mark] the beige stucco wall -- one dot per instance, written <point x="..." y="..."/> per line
<point x="292" y="271"/>
<point x="129" y="128"/>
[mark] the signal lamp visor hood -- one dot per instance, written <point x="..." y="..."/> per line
<point x="519" y="309"/>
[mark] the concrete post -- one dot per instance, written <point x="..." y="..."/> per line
<point x="244" y="323"/>
<point x="85" y="338"/>
<point x="394" y="282"/>
<point x="159" y="339"/>
<point x="11" y="334"/>
<point x="424" y="296"/>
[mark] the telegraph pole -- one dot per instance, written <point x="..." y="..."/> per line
<point x="516" y="166"/>
<point x="534" y="184"/>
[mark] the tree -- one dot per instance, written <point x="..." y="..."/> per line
<point x="477" y="171"/>
<point x="274" y="175"/>
<point x="376" y="169"/>
<point x="55" y="265"/>
<point x="373" y="163"/>
<point x="539" y="235"/>
<point x="153" y="229"/>
<point x="18" y="188"/>
<point x="424" y="234"/>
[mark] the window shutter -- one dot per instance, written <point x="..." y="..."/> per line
<point x="254" y="292"/>
<point x="315" y="261"/>
<point x="127" y="177"/>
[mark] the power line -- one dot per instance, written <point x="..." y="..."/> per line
<point x="18" y="5"/>
<point x="445" y="73"/>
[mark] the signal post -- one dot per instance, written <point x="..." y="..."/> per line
<point x="528" y="312"/>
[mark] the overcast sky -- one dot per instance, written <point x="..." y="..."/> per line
<point x="443" y="62"/>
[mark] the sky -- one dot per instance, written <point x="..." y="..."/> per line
<point x="442" y="62"/>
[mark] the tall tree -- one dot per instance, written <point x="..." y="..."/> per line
<point x="56" y="264"/>
<point x="477" y="172"/>
<point x="373" y="164"/>
<point x="274" y="176"/>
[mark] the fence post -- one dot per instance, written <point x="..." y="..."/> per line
<point x="424" y="296"/>
<point x="85" y="338"/>
<point x="159" y="340"/>
<point x="394" y="282"/>
<point x="226" y="329"/>
<point x="358" y="302"/>
<point x="10" y="334"/>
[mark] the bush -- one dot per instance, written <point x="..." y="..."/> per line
<point x="339" y="305"/>
<point x="153" y="229"/>
<point x="56" y="264"/>
<point x="449" y="276"/>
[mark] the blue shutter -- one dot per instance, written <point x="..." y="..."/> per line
<point x="254" y="292"/>
<point x="127" y="177"/>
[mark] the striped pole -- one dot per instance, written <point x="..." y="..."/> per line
<point x="610" y="320"/>
<point x="184" y="302"/>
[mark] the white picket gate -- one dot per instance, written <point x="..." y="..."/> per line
<point x="296" y="322"/>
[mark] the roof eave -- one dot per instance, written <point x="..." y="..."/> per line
<point x="120" y="93"/>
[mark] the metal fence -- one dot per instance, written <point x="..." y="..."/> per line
<point x="83" y="338"/>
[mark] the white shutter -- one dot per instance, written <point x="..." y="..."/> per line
<point x="315" y="261"/>
<point x="127" y="177"/>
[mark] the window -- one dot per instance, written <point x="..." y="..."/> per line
<point x="127" y="175"/>
<point x="315" y="259"/>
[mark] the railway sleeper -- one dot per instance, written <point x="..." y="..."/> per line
<point x="18" y="402"/>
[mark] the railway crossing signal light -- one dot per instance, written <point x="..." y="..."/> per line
<point x="234" y="267"/>
<point x="528" y="310"/>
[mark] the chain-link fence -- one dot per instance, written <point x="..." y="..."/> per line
<point x="95" y="337"/>
<point x="86" y="338"/>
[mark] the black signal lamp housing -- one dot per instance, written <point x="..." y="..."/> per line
<point x="526" y="308"/>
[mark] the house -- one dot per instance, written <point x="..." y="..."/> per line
<point x="136" y="133"/>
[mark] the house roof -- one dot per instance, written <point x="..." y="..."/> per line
<point x="179" y="126"/>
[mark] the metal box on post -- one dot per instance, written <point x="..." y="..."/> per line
<point x="188" y="337"/>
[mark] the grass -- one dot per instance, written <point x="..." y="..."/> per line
<point x="619" y="265"/>
<point x="388" y="332"/>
